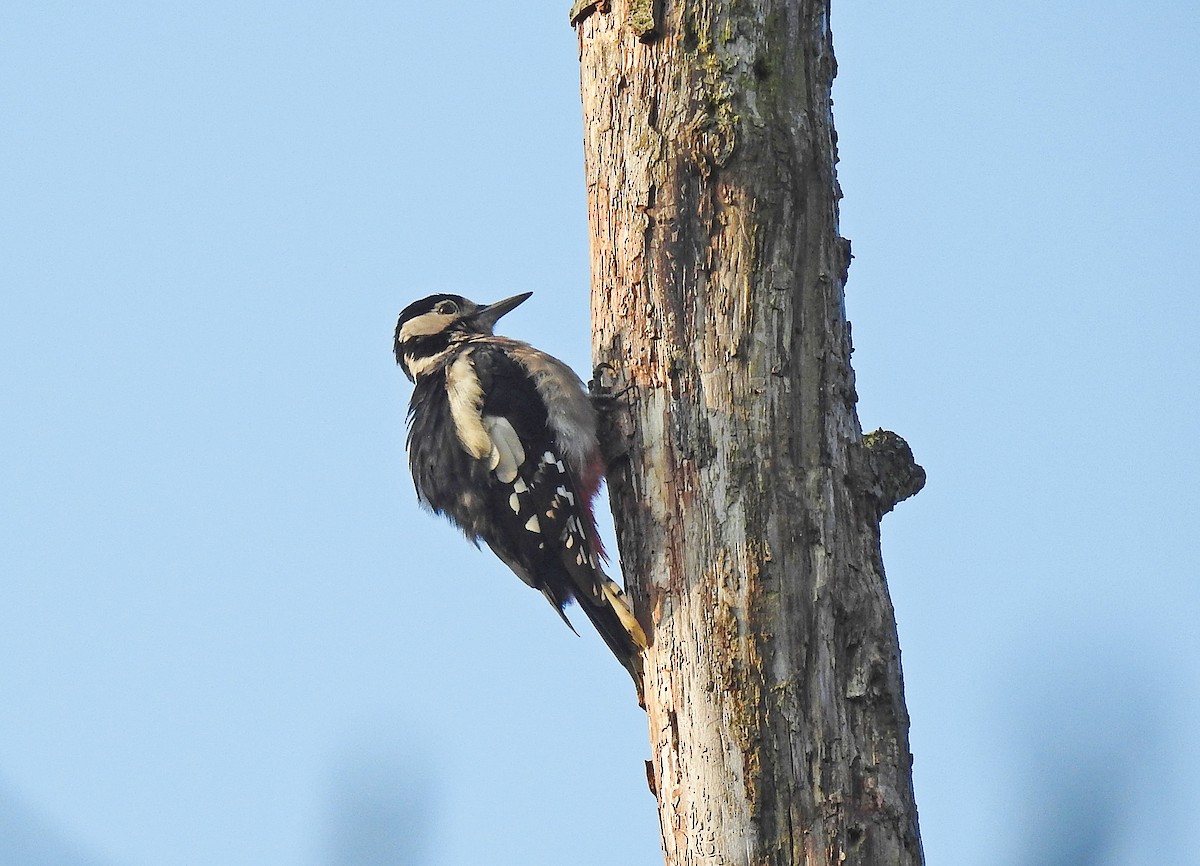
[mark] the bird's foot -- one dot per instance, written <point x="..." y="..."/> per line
<point x="601" y="391"/>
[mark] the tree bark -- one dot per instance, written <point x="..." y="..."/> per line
<point x="746" y="500"/>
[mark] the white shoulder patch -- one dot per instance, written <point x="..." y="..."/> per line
<point x="507" y="451"/>
<point x="466" y="402"/>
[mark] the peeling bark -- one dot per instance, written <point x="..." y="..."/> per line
<point x="747" y="503"/>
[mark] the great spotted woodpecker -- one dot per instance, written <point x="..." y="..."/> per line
<point x="502" y="440"/>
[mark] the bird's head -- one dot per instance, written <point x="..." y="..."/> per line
<point x="427" y="327"/>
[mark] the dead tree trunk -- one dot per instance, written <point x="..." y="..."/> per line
<point x="746" y="498"/>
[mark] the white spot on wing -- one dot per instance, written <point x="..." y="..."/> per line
<point x="532" y="524"/>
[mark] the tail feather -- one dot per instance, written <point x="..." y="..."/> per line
<point x="617" y="625"/>
<point x="615" y="596"/>
<point x="558" y="605"/>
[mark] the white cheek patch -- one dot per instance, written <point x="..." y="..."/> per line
<point x="423" y="326"/>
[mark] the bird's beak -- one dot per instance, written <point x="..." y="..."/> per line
<point x="486" y="317"/>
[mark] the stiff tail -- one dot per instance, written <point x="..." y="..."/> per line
<point x="614" y="620"/>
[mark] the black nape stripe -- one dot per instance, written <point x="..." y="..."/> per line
<point x="424" y="346"/>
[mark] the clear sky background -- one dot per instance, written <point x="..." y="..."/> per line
<point x="228" y="635"/>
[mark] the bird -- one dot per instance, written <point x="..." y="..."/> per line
<point x="502" y="441"/>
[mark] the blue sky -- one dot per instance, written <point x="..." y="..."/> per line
<point x="228" y="635"/>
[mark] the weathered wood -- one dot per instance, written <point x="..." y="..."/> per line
<point x="747" y="505"/>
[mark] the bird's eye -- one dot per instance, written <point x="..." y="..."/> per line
<point x="447" y="308"/>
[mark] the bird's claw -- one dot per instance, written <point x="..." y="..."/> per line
<point x="602" y="394"/>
